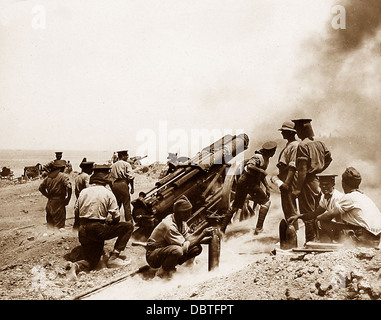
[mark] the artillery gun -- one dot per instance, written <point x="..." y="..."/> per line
<point x="208" y="180"/>
<point x="136" y="161"/>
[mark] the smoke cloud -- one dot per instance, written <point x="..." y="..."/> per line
<point x="338" y="86"/>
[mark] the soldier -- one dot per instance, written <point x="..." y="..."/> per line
<point x="99" y="217"/>
<point x="57" y="188"/>
<point x="82" y="181"/>
<point x="171" y="244"/>
<point x="250" y="183"/>
<point x="312" y="157"/>
<point x="121" y="172"/>
<point x="328" y="202"/>
<point x="356" y="215"/>
<point x="58" y="155"/>
<point x="49" y="166"/>
<point x="286" y="179"/>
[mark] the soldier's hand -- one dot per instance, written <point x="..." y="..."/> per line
<point x="292" y="219"/>
<point x="284" y="187"/>
<point x="296" y="193"/>
<point x="207" y="231"/>
<point x="132" y="191"/>
<point x="206" y="240"/>
<point x="109" y="219"/>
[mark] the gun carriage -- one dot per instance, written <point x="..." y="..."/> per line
<point x="207" y="180"/>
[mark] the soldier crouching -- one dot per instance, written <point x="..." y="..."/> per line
<point x="170" y="243"/>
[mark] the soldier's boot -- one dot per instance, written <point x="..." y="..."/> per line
<point x="263" y="210"/>
<point x="226" y="220"/>
<point x="115" y="261"/>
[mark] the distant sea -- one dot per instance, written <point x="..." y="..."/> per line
<point x="16" y="160"/>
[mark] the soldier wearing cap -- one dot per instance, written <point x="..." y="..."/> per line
<point x="171" y="242"/>
<point x="328" y="203"/>
<point x="49" y="166"/>
<point x="82" y="181"/>
<point x="312" y="158"/>
<point x="286" y="179"/>
<point x="250" y="183"/>
<point x="99" y="218"/>
<point x="121" y="172"/>
<point x="355" y="215"/>
<point x="57" y="188"/>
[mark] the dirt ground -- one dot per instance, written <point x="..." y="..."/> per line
<point x="33" y="260"/>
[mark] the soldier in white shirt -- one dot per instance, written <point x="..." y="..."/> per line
<point x="361" y="219"/>
<point x="330" y="196"/>
<point x="99" y="220"/>
<point x="121" y="172"/>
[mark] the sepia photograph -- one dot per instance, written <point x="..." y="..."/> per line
<point x="208" y="152"/>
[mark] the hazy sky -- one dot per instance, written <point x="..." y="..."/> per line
<point x="111" y="75"/>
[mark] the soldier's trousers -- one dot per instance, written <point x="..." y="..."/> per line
<point x="56" y="213"/>
<point x="308" y="202"/>
<point x="121" y="191"/>
<point x="170" y="256"/>
<point x="288" y="202"/>
<point x="92" y="235"/>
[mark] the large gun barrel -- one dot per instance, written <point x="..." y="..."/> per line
<point x="201" y="179"/>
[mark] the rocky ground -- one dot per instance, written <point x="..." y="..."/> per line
<point x="33" y="261"/>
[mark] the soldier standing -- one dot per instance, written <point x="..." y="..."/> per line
<point x="312" y="157"/>
<point x="286" y="179"/>
<point x="82" y="181"/>
<point x="57" y="188"/>
<point x="121" y="171"/>
<point x="250" y="183"/>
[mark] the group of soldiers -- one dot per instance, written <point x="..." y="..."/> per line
<point x="328" y="214"/>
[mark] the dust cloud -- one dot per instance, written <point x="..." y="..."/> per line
<point x="239" y="248"/>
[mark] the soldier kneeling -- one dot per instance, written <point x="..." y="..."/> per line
<point x="170" y="243"/>
<point x="99" y="217"/>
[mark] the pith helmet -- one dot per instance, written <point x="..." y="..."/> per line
<point x="288" y="125"/>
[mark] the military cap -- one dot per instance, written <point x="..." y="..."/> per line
<point x="122" y="153"/>
<point x="304" y="125"/>
<point x="269" y="145"/>
<point x="288" y="125"/>
<point x="182" y="205"/>
<point x="59" y="163"/>
<point x="325" y="177"/>
<point x="86" y="163"/>
<point x="351" y="177"/>
<point x="58" y="152"/>
<point x="101" y="167"/>
<point x="301" y="121"/>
